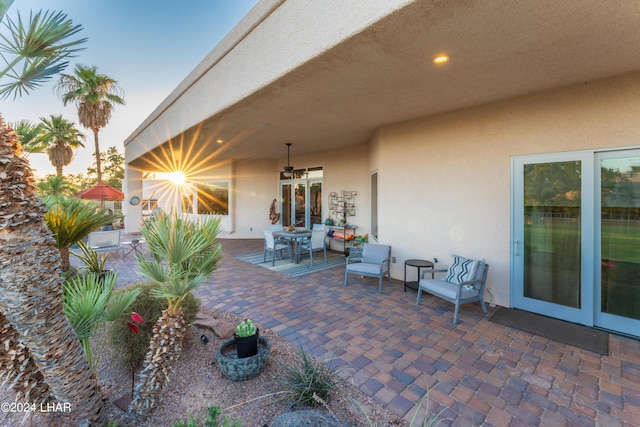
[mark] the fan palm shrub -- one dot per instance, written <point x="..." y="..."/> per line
<point x="88" y="303"/>
<point x="185" y="254"/>
<point x="131" y="348"/>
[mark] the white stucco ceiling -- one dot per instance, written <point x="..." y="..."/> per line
<point x="384" y="74"/>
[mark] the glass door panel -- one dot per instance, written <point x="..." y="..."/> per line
<point x="300" y="204"/>
<point x="315" y="203"/>
<point x="552" y="232"/>
<point x="619" y="248"/>
<point x="549" y="226"/>
<point x="285" y="191"/>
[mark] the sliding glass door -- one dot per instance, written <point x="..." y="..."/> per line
<point x="576" y="238"/>
<point x="301" y="199"/>
<point x="551" y="235"/>
<point x="618" y="249"/>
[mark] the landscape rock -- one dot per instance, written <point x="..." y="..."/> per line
<point x="221" y="328"/>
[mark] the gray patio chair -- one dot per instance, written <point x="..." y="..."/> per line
<point x="373" y="262"/>
<point x="105" y="241"/>
<point x="274" y="247"/>
<point x="464" y="283"/>
<point x="315" y="244"/>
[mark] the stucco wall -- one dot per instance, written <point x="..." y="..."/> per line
<point x="445" y="181"/>
<point x="257" y="186"/>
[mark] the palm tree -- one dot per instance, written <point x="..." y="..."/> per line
<point x="31" y="289"/>
<point x="33" y="53"/>
<point x="60" y="137"/>
<point x="185" y="254"/>
<point x="95" y="96"/>
<point x="27" y="134"/>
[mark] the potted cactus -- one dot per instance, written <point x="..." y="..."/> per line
<point x="246" y="339"/>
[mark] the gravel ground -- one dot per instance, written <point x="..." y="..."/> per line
<point x="197" y="384"/>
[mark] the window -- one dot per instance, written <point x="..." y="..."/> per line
<point x="213" y="198"/>
<point x="149" y="204"/>
<point x="374" y="204"/>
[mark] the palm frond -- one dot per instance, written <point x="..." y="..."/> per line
<point x="71" y="220"/>
<point x="41" y="46"/>
<point x="120" y="302"/>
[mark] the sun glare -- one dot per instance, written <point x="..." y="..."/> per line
<point x="177" y="178"/>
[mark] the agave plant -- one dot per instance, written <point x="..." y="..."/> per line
<point x="88" y="304"/>
<point x="185" y="254"/>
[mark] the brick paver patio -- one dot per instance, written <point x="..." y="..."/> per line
<point x="478" y="372"/>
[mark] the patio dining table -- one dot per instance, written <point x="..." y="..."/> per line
<point x="296" y="237"/>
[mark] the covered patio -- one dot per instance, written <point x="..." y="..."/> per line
<point x="481" y="372"/>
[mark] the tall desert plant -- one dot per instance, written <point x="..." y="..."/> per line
<point x="30" y="289"/>
<point x="185" y="254"/>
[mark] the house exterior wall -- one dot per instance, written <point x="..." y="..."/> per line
<point x="445" y="181"/>
<point x="257" y="185"/>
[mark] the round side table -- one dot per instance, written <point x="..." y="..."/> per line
<point x="419" y="264"/>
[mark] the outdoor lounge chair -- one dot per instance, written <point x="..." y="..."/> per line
<point x="273" y="246"/>
<point x="105" y="241"/>
<point x="373" y="261"/>
<point x="464" y="283"/>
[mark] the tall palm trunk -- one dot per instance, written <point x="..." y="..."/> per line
<point x="31" y="287"/>
<point x="165" y="349"/>
<point x="97" y="148"/>
<point x="18" y="369"/>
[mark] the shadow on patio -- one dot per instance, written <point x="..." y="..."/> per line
<point x="392" y="349"/>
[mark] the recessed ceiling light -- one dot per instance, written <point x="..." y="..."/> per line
<point x="441" y="59"/>
<point x="219" y="141"/>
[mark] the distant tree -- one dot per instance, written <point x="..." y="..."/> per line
<point x="60" y="137"/>
<point x="95" y="95"/>
<point x="113" y="167"/>
<point x="79" y="181"/>
<point x="54" y="186"/>
<point x="36" y="51"/>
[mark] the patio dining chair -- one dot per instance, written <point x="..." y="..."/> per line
<point x="275" y="247"/>
<point x="315" y="244"/>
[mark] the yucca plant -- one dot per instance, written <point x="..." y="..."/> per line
<point x="88" y="304"/>
<point x="185" y="254"/>
<point x="93" y="261"/>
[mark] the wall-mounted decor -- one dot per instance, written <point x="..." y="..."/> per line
<point x="342" y="206"/>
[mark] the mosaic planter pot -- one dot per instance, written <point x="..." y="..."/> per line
<point x="241" y="369"/>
